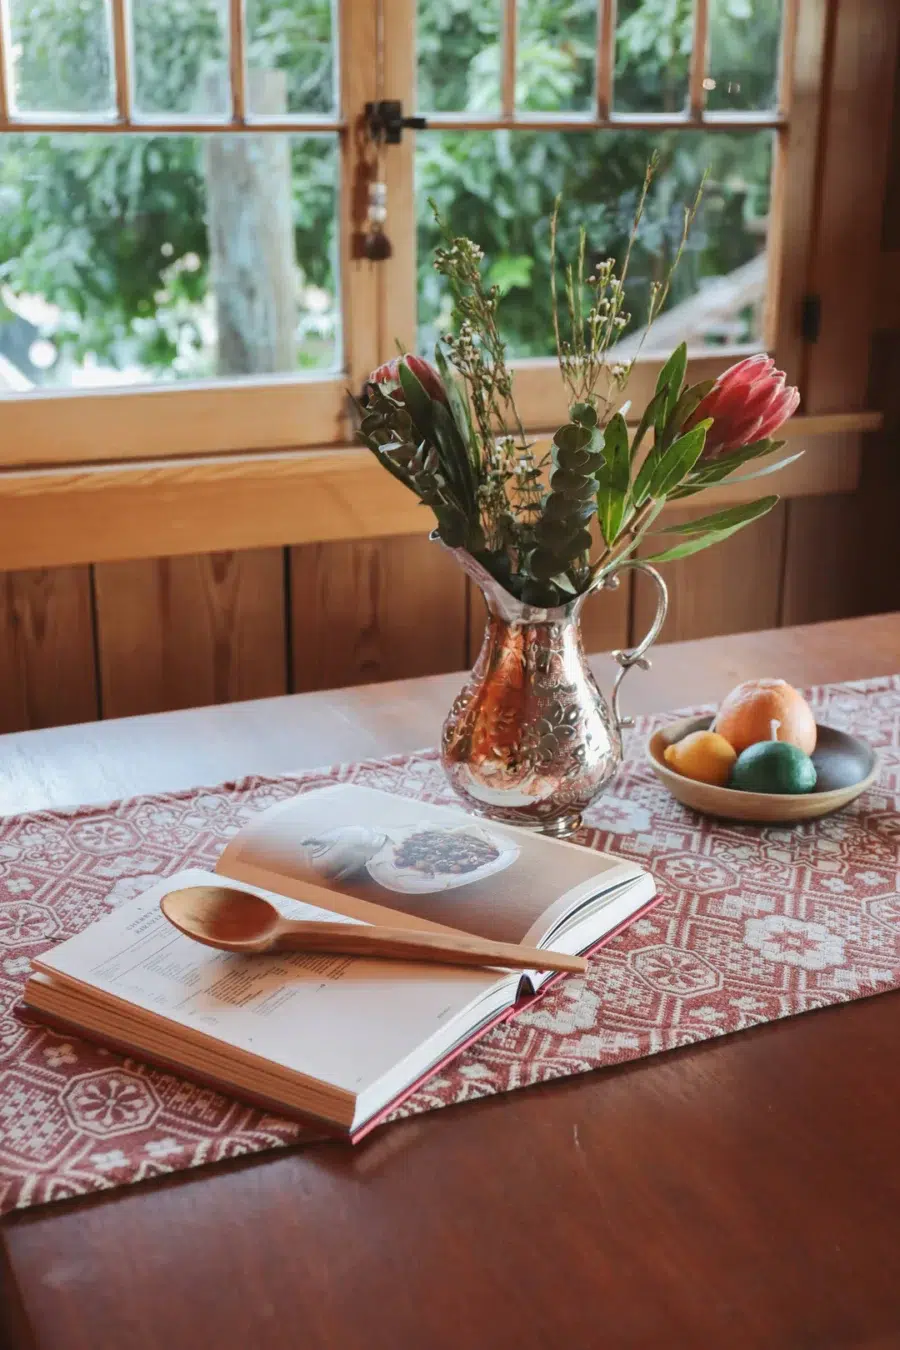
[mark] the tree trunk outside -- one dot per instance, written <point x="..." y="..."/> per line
<point x="251" y="240"/>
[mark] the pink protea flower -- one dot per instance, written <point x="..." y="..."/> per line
<point x="748" y="403"/>
<point x="387" y="378"/>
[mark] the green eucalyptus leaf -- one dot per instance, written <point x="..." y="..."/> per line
<point x="579" y="486"/>
<point x="558" y="507"/>
<point x="451" y="527"/>
<point x="573" y="460"/>
<point x="556" y="532"/>
<point x="393" y="468"/>
<point x="585" y="414"/>
<point x="571" y="436"/>
<point x="544" y="563"/>
<point x="614" y="479"/>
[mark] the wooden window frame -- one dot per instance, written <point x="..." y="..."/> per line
<point x="163" y="470"/>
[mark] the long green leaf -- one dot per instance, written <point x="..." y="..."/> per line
<point x="724" y="519"/>
<point x="718" y="475"/>
<point x="453" y="454"/>
<point x="671" y="377"/>
<point x="459" y="406"/>
<point x="688" y="404"/>
<point x="613" y="478"/>
<point x="720" y="467"/>
<point x="712" y="529"/>
<point x="418" y="403"/>
<point x="656" y="403"/>
<point x="678" y="460"/>
<point x="768" y="468"/>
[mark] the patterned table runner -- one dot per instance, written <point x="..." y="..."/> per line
<point x="754" y="924"/>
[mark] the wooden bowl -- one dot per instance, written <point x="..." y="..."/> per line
<point x="845" y="767"/>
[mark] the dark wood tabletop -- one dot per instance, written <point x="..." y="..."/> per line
<point x="739" y="1193"/>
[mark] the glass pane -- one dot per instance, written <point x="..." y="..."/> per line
<point x="499" y="188"/>
<point x="556" y="55"/>
<point x="134" y="259"/>
<point x="61" y="56"/>
<point x="295" y="37"/>
<point x="181" y="57"/>
<point x="653" y="54"/>
<point x="744" y="41"/>
<point x="459" y="47"/>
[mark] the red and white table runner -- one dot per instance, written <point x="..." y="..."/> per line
<point x="754" y="924"/>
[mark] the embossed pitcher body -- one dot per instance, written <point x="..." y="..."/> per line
<point x="531" y="740"/>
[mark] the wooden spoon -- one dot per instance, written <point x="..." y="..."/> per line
<point x="238" y="921"/>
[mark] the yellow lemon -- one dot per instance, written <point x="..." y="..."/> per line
<point x="703" y="755"/>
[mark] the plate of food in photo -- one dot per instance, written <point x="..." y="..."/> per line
<point x="418" y="859"/>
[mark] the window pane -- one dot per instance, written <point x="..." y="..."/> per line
<point x="61" y="56"/>
<point x="181" y="57"/>
<point x="296" y="37"/>
<point x="744" y="40"/>
<point x="556" y="55"/>
<point x="653" y="53"/>
<point x="134" y="259"/>
<point x="499" y="188"/>
<point x="459" y="47"/>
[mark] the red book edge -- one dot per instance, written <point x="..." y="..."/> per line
<point x="277" y="1108"/>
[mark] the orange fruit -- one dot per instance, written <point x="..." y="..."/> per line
<point x="766" y="710"/>
<point x="702" y="755"/>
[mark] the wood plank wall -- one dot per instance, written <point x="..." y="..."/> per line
<point x="123" y="638"/>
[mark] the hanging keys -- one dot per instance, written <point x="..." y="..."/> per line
<point x="375" y="244"/>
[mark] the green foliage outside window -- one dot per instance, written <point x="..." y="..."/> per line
<point x="110" y="229"/>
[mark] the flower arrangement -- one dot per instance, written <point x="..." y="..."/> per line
<point x="451" y="433"/>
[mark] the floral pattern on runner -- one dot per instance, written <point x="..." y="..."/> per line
<point x="753" y="924"/>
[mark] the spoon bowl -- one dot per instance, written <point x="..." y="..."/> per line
<point x="223" y="917"/>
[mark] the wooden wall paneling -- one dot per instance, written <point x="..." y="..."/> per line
<point x="843" y="551"/>
<point x="375" y="610"/>
<point x="890" y="233"/>
<point x="846" y="259"/>
<point x="878" y="497"/>
<point x="47" y="674"/>
<point x="189" y="631"/>
<point x="732" y="588"/>
<point x="823" y="574"/>
<point x="823" y="579"/>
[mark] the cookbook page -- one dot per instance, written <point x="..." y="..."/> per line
<point x="343" y="1020"/>
<point x="396" y="861"/>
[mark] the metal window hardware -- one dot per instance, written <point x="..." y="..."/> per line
<point x="385" y="121"/>
<point x="810" y="317"/>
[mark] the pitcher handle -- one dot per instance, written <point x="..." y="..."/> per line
<point x="636" y="656"/>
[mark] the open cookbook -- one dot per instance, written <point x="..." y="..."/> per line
<point x="338" y="1039"/>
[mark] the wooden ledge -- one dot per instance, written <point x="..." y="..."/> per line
<point x="161" y="508"/>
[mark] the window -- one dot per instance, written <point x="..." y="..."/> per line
<point x="183" y="182"/>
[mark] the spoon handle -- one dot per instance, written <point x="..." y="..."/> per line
<point x="401" y="944"/>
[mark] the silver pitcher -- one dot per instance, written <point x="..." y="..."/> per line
<point x="531" y="740"/>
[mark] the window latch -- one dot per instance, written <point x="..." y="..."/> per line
<point x="385" y="121"/>
<point x="810" y="318"/>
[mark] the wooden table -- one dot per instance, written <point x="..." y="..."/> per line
<point x="740" y="1193"/>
